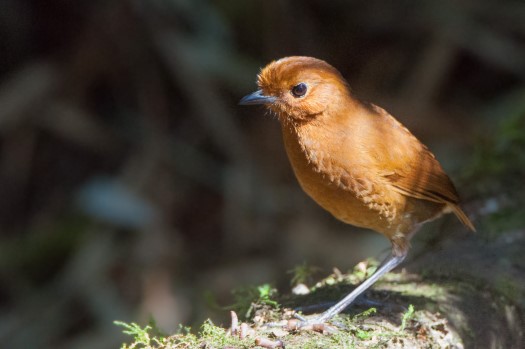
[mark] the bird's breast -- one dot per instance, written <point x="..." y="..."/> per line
<point x="334" y="185"/>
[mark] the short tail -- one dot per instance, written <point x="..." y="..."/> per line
<point x="463" y="217"/>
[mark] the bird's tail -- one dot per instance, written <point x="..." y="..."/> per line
<point x="463" y="217"/>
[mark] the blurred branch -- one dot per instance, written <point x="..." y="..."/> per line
<point x="492" y="46"/>
<point x="25" y="91"/>
<point x="461" y="24"/>
<point x="430" y="71"/>
<point x="77" y="125"/>
<point x="211" y="109"/>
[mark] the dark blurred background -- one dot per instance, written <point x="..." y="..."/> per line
<point x="132" y="185"/>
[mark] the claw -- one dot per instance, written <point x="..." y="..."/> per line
<point x="315" y="324"/>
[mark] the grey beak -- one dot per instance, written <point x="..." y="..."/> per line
<point x="256" y="98"/>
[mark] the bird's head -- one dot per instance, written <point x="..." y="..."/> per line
<point x="299" y="88"/>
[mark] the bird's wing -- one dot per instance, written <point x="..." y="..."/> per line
<point x="406" y="164"/>
<point x="412" y="170"/>
<point x="431" y="186"/>
<point x="423" y="179"/>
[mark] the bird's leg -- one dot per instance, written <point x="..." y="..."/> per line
<point x="390" y="263"/>
<point x="361" y="301"/>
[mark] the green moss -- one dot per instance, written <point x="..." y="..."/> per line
<point x="209" y="336"/>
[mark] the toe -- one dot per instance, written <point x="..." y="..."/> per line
<point x="310" y="325"/>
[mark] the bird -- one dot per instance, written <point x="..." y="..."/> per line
<point x="354" y="159"/>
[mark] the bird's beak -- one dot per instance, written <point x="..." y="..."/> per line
<point x="256" y="98"/>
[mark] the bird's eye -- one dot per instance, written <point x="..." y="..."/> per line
<point x="299" y="90"/>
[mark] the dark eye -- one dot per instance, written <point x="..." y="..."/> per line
<point x="299" y="90"/>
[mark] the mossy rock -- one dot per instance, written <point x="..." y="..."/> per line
<point x="459" y="300"/>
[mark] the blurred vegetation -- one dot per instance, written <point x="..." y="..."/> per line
<point x="132" y="184"/>
<point x="497" y="170"/>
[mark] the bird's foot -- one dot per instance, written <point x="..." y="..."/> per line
<point x="316" y="324"/>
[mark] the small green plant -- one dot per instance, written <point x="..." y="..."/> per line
<point x="364" y="335"/>
<point x="247" y="299"/>
<point x="265" y="294"/>
<point x="141" y="336"/>
<point x="365" y="313"/>
<point x="407" y="316"/>
<point x="302" y="273"/>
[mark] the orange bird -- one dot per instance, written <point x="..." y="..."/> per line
<point x="354" y="159"/>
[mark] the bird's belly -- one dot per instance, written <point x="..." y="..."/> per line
<point x="342" y="204"/>
<point x="330" y="189"/>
